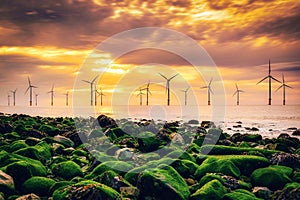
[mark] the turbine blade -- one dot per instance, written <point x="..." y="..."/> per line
<point x="275" y="79"/>
<point x="95" y="79"/>
<point x="86" y="81"/>
<point x="210" y="81"/>
<point x="163" y="76"/>
<point x="269" y="66"/>
<point x="204" y="87"/>
<point x="262" y="80"/>
<point x="241" y="91"/>
<point x="149" y="92"/>
<point x="27" y="90"/>
<point x="236" y="86"/>
<point x="282" y="78"/>
<point x="148" y="84"/>
<point x="28" y="80"/>
<point x="278" y="88"/>
<point x="173" y="77"/>
<point x="210" y="90"/>
<point x="288" y="86"/>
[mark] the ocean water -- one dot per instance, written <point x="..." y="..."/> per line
<point x="270" y="120"/>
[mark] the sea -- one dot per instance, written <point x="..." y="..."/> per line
<point x="271" y="121"/>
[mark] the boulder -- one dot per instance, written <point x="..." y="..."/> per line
<point x="38" y="185"/>
<point x="31" y="196"/>
<point x="162" y="183"/>
<point x="67" y="170"/>
<point x="240" y="194"/>
<point x="6" y="183"/>
<point x="211" y="190"/>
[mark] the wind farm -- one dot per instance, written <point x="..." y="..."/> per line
<point x="209" y="91"/>
<point x="92" y="82"/>
<point x="147" y="93"/>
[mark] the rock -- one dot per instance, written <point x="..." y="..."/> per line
<point x="162" y="183"/>
<point x="176" y="138"/>
<point x="119" y="167"/>
<point x="29" y="197"/>
<point x="77" y="138"/>
<point x="185" y="168"/>
<point x="172" y="126"/>
<point x="193" y="121"/>
<point x="285" y="159"/>
<point x="148" y="142"/>
<point x="86" y="190"/>
<point x="296" y="132"/>
<point x="57" y="185"/>
<point x="18" y="144"/>
<point x="34" y="133"/>
<point x="240" y="194"/>
<point x="211" y="190"/>
<point x="124" y="154"/>
<point x="238" y="137"/>
<point x="273" y="177"/>
<point x="67" y="170"/>
<point x="49" y="130"/>
<point x="208" y="124"/>
<point x="287" y="194"/>
<point x="262" y="192"/>
<point x="214" y="165"/>
<point x="254" y="129"/>
<point x="38" y="185"/>
<point x="6" y="183"/>
<point x="106" y="122"/>
<point x="63" y="140"/>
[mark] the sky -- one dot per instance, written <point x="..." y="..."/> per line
<point x="51" y="41"/>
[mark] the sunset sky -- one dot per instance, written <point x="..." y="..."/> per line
<point x="50" y="41"/>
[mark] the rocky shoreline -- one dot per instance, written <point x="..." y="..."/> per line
<point x="65" y="158"/>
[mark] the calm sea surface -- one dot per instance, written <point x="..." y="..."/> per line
<point x="271" y="120"/>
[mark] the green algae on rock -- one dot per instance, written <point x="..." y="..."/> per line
<point x="67" y="170"/>
<point x="38" y="185"/>
<point x="211" y="190"/>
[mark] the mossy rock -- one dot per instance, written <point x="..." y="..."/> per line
<point x="7" y="185"/>
<point x="95" y="134"/>
<point x="229" y="150"/>
<point x="180" y="154"/>
<point x="57" y="185"/>
<point x="44" y="150"/>
<point x="119" y="167"/>
<point x="240" y="195"/>
<point x="13" y="135"/>
<point x="205" y="179"/>
<point x="67" y="170"/>
<point x="214" y="165"/>
<point x="193" y="148"/>
<point x="30" y="152"/>
<point x="211" y="190"/>
<point x="296" y="177"/>
<point x="145" y="157"/>
<point x="18" y="144"/>
<point x="86" y="190"/>
<point x="185" y="168"/>
<point x="49" y="130"/>
<point x="38" y="185"/>
<point x="246" y="163"/>
<point x="273" y="177"/>
<point x="67" y="142"/>
<point x="162" y="183"/>
<point x="109" y="178"/>
<point x="148" y="142"/>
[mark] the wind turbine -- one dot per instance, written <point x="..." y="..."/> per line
<point x="101" y="96"/>
<point x="8" y="99"/>
<point x="52" y="94"/>
<point x="168" y="86"/>
<point x="36" y="98"/>
<point x="67" y="98"/>
<point x="185" y="95"/>
<point x="14" y="95"/>
<point x="141" y="96"/>
<point x="209" y="90"/>
<point x="91" y="83"/>
<point x="283" y="85"/>
<point x="30" y="91"/>
<point x="270" y="78"/>
<point x="147" y="93"/>
<point x="237" y="93"/>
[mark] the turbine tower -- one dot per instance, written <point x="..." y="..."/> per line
<point x="237" y="93"/>
<point x="209" y="90"/>
<point x="30" y="91"/>
<point x="283" y="85"/>
<point x="14" y="96"/>
<point x="91" y="83"/>
<point x="141" y="96"/>
<point x="147" y="93"/>
<point x="36" y="98"/>
<point x="8" y="99"/>
<point x="270" y="78"/>
<point x="52" y="94"/>
<point x="185" y="95"/>
<point x="168" y="86"/>
<point x="67" y="98"/>
<point x="101" y="96"/>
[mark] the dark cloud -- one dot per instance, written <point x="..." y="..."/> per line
<point x="241" y="6"/>
<point x="289" y="69"/>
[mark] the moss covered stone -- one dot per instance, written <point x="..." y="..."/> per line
<point x="57" y="185"/>
<point x="273" y="177"/>
<point x="7" y="185"/>
<point x="240" y="195"/>
<point x="185" y="168"/>
<point x="211" y="190"/>
<point x="37" y="185"/>
<point x="162" y="183"/>
<point x="67" y="170"/>
<point x="18" y="144"/>
<point x="148" y="142"/>
<point x="119" y="167"/>
<point x="86" y="190"/>
<point x="214" y="165"/>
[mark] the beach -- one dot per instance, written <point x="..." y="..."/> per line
<point x="105" y="158"/>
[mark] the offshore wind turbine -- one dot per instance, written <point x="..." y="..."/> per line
<point x="36" y="98"/>
<point x="141" y="96"/>
<point x="91" y="83"/>
<point x="237" y="93"/>
<point x="8" y="99"/>
<point x="270" y="87"/>
<point x="147" y="93"/>
<point x="52" y="94"/>
<point x="283" y="85"/>
<point x="209" y="91"/>
<point x="67" y="98"/>
<point x="30" y="86"/>
<point x="14" y="96"/>
<point x="185" y="95"/>
<point x="168" y="86"/>
<point x="101" y="96"/>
